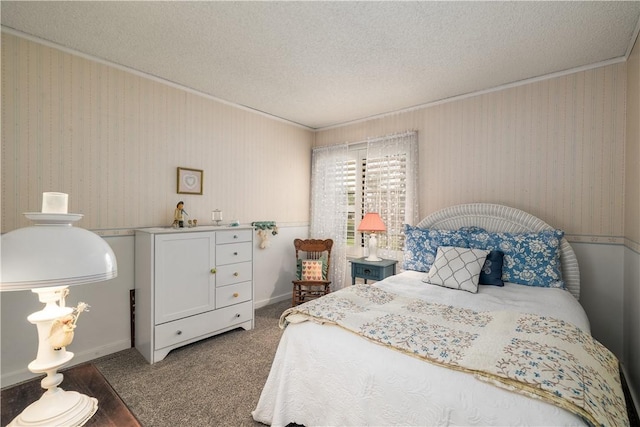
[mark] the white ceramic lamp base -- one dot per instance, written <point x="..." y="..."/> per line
<point x="373" y="248"/>
<point x="56" y="407"/>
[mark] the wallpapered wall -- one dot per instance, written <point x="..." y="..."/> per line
<point x="632" y="221"/>
<point x="632" y="152"/>
<point x="554" y="148"/>
<point x="113" y="140"/>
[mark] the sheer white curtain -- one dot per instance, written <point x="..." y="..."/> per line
<point x="329" y="209"/>
<point x="391" y="187"/>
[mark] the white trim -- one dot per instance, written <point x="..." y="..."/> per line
<point x="145" y="75"/>
<point x="480" y="92"/>
<point x="119" y="232"/>
<point x="88" y="355"/>
<point x="634" y="396"/>
<point x="573" y="238"/>
<point x="272" y="300"/>
<point x="634" y="246"/>
<point x="115" y="232"/>
<point x="633" y="40"/>
<point x="337" y="125"/>
<point x="608" y="240"/>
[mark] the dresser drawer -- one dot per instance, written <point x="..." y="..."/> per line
<point x="233" y="294"/>
<point x="233" y="236"/>
<point x="233" y="273"/>
<point x="172" y="333"/>
<point x="232" y="253"/>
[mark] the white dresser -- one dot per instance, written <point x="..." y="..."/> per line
<point x="191" y="283"/>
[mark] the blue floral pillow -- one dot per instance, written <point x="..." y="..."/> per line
<point x="421" y="245"/>
<point x="531" y="259"/>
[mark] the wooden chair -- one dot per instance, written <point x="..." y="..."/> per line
<point x="317" y="250"/>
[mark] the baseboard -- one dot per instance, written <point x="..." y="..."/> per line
<point x="272" y="300"/>
<point x="21" y="375"/>
<point x="630" y="397"/>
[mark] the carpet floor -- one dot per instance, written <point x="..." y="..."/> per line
<point x="214" y="382"/>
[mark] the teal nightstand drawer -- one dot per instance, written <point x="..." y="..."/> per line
<point x="368" y="272"/>
<point x="372" y="270"/>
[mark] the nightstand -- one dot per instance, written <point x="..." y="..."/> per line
<point x="374" y="270"/>
<point x="86" y="379"/>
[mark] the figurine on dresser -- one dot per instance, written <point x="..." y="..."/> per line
<point x="178" y="215"/>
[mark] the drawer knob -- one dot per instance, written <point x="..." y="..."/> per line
<point x="367" y="271"/>
<point x="237" y="315"/>
<point x="236" y="274"/>
<point x="235" y="236"/>
<point x="235" y="253"/>
<point x="179" y="332"/>
<point x="213" y="271"/>
<point x="236" y="295"/>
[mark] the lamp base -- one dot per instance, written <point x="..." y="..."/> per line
<point x="58" y="407"/>
<point x="373" y="249"/>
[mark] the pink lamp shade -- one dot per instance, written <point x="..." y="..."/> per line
<point x="372" y="223"/>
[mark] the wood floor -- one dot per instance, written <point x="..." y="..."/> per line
<point x="86" y="379"/>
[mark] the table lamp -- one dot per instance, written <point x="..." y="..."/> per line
<point x="371" y="223"/>
<point x="47" y="258"/>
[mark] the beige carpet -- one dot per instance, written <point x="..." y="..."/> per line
<point x="214" y="382"/>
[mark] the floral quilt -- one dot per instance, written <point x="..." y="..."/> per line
<point x="542" y="357"/>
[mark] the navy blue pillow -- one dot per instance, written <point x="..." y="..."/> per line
<point x="491" y="273"/>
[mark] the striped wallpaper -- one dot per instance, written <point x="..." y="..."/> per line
<point x="632" y="152"/>
<point x="554" y="148"/>
<point x="113" y="140"/>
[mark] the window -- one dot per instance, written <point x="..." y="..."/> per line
<point x="377" y="184"/>
<point x="354" y="184"/>
<point x="385" y="192"/>
<point x="349" y="180"/>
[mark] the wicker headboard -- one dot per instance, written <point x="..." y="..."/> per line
<point x="496" y="218"/>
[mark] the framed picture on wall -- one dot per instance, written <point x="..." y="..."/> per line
<point x="189" y="181"/>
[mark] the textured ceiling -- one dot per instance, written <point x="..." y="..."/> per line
<point x="320" y="64"/>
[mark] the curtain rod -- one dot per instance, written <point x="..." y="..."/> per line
<point x="364" y="142"/>
<point x="380" y="138"/>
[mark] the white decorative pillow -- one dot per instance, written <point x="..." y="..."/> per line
<point x="457" y="268"/>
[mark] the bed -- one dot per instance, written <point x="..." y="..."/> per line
<point x="408" y="351"/>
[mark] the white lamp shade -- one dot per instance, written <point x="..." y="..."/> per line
<point x="47" y="258"/>
<point x="52" y="255"/>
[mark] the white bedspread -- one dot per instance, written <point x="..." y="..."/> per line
<point x="325" y="375"/>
